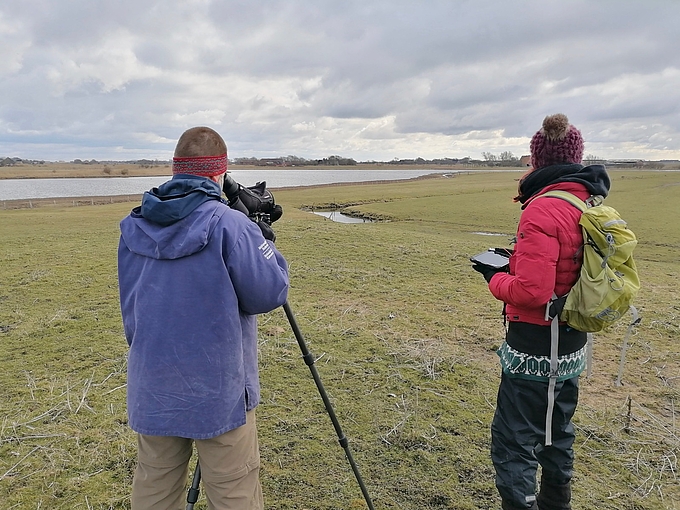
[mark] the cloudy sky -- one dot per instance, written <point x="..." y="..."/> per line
<point x="368" y="79"/>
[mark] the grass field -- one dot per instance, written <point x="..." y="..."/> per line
<point x="405" y="335"/>
<point x="58" y="170"/>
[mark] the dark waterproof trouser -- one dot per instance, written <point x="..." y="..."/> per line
<point x="518" y="434"/>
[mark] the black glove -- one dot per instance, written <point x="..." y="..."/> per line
<point x="506" y="252"/>
<point x="267" y="231"/>
<point x="487" y="271"/>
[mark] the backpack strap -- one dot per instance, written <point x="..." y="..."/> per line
<point x="576" y="202"/>
<point x="554" y="344"/>
<point x="583" y="205"/>
<point x="569" y="197"/>
<point x="589" y="354"/>
<point x="553" y="310"/>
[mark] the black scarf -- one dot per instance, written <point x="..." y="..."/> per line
<point x="593" y="177"/>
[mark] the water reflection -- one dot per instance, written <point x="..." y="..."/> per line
<point x="341" y="218"/>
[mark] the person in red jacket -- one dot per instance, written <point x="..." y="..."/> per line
<point x="546" y="261"/>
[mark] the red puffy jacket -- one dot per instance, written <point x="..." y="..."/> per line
<point x="547" y="257"/>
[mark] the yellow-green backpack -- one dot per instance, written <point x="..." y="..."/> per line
<point x="609" y="280"/>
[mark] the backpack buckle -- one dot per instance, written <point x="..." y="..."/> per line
<point x="594" y="200"/>
<point x="554" y="307"/>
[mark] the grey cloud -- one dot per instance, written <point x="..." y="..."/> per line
<point x="100" y="73"/>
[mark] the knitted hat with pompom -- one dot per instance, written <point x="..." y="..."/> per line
<point x="556" y="142"/>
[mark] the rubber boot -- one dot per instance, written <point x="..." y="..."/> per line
<point x="506" y="505"/>
<point x="554" y="496"/>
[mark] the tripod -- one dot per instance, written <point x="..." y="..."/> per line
<point x="307" y="356"/>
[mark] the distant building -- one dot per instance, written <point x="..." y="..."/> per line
<point x="623" y="163"/>
<point x="272" y="162"/>
<point x="525" y="161"/>
<point x="245" y="161"/>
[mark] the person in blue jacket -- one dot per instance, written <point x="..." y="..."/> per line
<point x="193" y="274"/>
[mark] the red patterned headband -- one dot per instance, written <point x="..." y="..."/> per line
<point x="206" y="166"/>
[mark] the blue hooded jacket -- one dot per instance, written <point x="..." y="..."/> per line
<point x="193" y="274"/>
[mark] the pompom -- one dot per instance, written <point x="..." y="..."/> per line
<point x="555" y="126"/>
<point x="557" y="142"/>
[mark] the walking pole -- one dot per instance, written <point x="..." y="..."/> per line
<point x="309" y="361"/>
<point x="624" y="346"/>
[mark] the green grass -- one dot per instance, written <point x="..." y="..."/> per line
<point x="404" y="333"/>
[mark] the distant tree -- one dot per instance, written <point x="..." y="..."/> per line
<point x="294" y="160"/>
<point x="338" y="161"/>
<point x="656" y="165"/>
<point x="145" y="163"/>
<point x="508" y="157"/>
<point x="107" y="170"/>
<point x="591" y="159"/>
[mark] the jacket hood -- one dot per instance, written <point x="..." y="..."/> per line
<point x="177" y="198"/>
<point x="194" y="212"/>
<point x="593" y="177"/>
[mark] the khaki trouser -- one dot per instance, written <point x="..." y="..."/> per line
<point x="230" y="467"/>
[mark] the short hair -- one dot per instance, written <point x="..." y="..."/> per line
<point x="198" y="142"/>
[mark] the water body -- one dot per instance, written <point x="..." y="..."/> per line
<point x="341" y="218"/>
<point x="22" y="189"/>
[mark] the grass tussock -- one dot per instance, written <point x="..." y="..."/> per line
<point x="404" y="334"/>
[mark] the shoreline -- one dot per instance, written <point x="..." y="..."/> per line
<point x="70" y="171"/>
<point x="32" y="203"/>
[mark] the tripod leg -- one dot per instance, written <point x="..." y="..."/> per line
<point x="309" y="361"/>
<point x="192" y="495"/>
